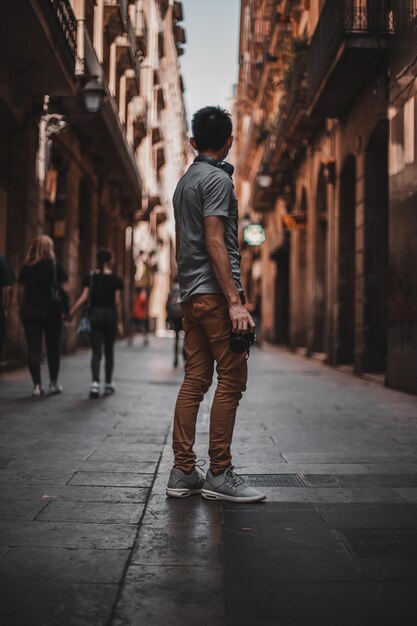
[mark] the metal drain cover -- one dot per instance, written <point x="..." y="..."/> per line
<point x="374" y="542"/>
<point x="275" y="480"/>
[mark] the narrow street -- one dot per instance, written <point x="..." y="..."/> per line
<point x="89" y="538"/>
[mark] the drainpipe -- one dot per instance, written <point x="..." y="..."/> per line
<point x="80" y="60"/>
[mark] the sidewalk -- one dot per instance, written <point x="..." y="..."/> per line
<point x="88" y="537"/>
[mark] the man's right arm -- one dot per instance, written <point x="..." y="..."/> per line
<point x="214" y="233"/>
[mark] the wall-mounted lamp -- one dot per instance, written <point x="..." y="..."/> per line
<point x="264" y="180"/>
<point x="329" y="170"/>
<point x="93" y="93"/>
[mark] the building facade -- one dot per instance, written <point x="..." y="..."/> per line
<point x="161" y="157"/>
<point x="313" y="110"/>
<point x="85" y="178"/>
<point x="402" y="217"/>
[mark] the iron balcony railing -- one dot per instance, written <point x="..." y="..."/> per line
<point x="341" y="18"/>
<point x="64" y="26"/>
<point x="404" y="13"/>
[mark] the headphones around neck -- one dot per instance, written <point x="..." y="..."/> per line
<point x="223" y="165"/>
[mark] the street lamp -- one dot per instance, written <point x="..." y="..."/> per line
<point x="93" y="93"/>
<point x="254" y="235"/>
<point x="264" y="180"/>
<point x="55" y="123"/>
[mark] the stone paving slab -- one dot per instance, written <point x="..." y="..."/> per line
<point x="110" y="455"/>
<point x="36" y="476"/>
<point x="67" y="535"/>
<point x="18" y="510"/>
<point x="111" y="479"/>
<point x="286" y="566"/>
<point x="187" y="595"/>
<point x="387" y="569"/>
<point x="47" y="564"/>
<point x="335" y="494"/>
<point x="73" y="493"/>
<point x="408" y="493"/>
<point x="53" y="604"/>
<point x="166" y="546"/>
<point x="92" y="512"/>
<point x="365" y="513"/>
<point x="325" y="603"/>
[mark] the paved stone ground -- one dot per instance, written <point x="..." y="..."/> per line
<point x="88" y="538"/>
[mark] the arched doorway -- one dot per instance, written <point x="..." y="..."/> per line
<point x="346" y="286"/>
<point x="376" y="249"/>
<point x="302" y="277"/>
<point x="320" y="290"/>
<point x="282" y="292"/>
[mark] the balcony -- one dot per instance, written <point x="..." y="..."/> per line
<point x="108" y="143"/>
<point x="402" y="50"/>
<point x="177" y="13"/>
<point x="115" y="17"/>
<point x="141" y="33"/>
<point x="124" y="54"/>
<point x="179" y="34"/>
<point x="284" y="140"/>
<point x="350" y="40"/>
<point x="160" y="98"/>
<point x="160" y="158"/>
<point x="163" y="6"/>
<point x="63" y="25"/>
<point x="156" y="135"/>
<point x="140" y="120"/>
<point x="132" y="84"/>
<point x="404" y="15"/>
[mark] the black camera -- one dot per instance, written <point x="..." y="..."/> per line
<point x="241" y="343"/>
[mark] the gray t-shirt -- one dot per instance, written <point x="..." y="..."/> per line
<point x="204" y="190"/>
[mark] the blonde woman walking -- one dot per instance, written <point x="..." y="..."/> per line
<point x="41" y="310"/>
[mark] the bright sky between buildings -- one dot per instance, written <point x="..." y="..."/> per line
<point x="210" y="63"/>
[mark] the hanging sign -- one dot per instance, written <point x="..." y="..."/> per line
<point x="59" y="228"/>
<point x="254" y="235"/>
<point x="295" y="221"/>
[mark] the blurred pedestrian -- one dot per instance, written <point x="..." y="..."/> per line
<point x="102" y="291"/>
<point x="139" y="320"/>
<point x="215" y="318"/>
<point x="7" y="280"/>
<point x="42" y="306"/>
<point x="174" y="318"/>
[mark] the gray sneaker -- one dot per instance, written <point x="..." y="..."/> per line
<point x="229" y="486"/>
<point x="181" y="485"/>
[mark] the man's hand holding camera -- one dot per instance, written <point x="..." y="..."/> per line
<point x="241" y="319"/>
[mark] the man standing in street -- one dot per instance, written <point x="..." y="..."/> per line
<point x="212" y="300"/>
<point x="7" y="280"/>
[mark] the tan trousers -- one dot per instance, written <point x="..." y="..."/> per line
<point x="207" y="331"/>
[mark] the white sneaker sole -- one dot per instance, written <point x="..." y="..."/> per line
<point x="214" y="495"/>
<point x="182" y="493"/>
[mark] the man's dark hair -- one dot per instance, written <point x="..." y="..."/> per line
<point x="211" y="127"/>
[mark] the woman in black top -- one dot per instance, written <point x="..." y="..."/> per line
<point x="105" y="313"/>
<point x="40" y="313"/>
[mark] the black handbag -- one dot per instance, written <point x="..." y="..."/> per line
<point x="59" y="297"/>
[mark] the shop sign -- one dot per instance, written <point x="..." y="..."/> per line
<point x="295" y="221"/>
<point x="59" y="228"/>
<point x="254" y="235"/>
